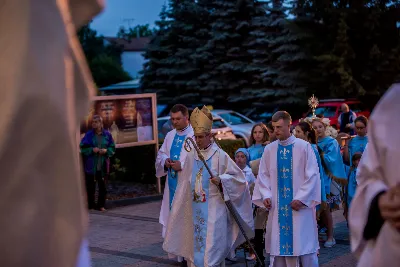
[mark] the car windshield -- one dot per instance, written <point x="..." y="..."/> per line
<point x="217" y="124"/>
<point x="233" y="118"/>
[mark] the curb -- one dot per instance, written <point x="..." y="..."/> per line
<point x="111" y="204"/>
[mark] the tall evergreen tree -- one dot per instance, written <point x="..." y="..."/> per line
<point x="335" y="65"/>
<point x="291" y="58"/>
<point x="170" y="75"/>
<point x="224" y="72"/>
<point x="156" y="55"/>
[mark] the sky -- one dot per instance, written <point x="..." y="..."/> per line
<point x="126" y="13"/>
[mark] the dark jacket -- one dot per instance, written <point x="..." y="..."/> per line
<point x="90" y="159"/>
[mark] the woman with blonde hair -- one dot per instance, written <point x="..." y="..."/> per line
<point x="335" y="171"/>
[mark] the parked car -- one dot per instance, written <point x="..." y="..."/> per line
<point x="221" y="130"/>
<point x="240" y="124"/>
<point x="330" y="108"/>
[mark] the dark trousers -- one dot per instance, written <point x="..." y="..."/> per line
<point x="259" y="243"/>
<point x="91" y="189"/>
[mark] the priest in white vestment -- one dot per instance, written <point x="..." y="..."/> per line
<point x="45" y="91"/>
<point x="200" y="227"/>
<point x="171" y="158"/>
<point x="374" y="217"/>
<point x="288" y="184"/>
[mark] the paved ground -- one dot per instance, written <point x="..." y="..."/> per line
<point x="131" y="236"/>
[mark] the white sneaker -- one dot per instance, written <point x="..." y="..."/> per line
<point x="329" y="244"/>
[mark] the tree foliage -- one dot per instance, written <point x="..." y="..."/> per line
<point x="246" y="52"/>
<point x="135" y="32"/>
<point x="104" y="60"/>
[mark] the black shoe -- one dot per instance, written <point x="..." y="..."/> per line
<point x="259" y="265"/>
<point x="184" y="263"/>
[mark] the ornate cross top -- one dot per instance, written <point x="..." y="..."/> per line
<point x="313" y="104"/>
<point x="285" y="210"/>
<point x="286" y="247"/>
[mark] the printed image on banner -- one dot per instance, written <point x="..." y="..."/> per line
<point x="128" y="120"/>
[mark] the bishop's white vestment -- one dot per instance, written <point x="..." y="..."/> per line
<point x="172" y="148"/>
<point x="200" y="227"/>
<point x="289" y="171"/>
<point x="378" y="170"/>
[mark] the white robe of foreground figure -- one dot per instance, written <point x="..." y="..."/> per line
<point x="45" y="90"/>
<point x="377" y="172"/>
<point x="200" y="228"/>
<point x="289" y="171"/>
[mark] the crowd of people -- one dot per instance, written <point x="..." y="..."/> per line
<point x="284" y="187"/>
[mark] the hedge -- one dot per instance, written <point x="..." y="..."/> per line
<point x="136" y="164"/>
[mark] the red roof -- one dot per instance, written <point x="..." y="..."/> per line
<point x="134" y="44"/>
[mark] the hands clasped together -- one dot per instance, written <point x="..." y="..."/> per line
<point x="99" y="150"/>
<point x="174" y="164"/>
<point x="295" y="204"/>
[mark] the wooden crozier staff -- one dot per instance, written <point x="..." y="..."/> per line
<point x="188" y="142"/>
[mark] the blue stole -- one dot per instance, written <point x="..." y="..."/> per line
<point x="175" y="154"/>
<point x="357" y="144"/>
<point x="200" y="191"/>
<point x="285" y="197"/>
<point x="256" y="151"/>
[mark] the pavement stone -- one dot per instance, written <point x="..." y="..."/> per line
<point x="131" y="236"/>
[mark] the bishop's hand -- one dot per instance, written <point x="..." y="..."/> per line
<point x="215" y="180"/>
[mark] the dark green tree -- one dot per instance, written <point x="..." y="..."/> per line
<point x="104" y="60"/>
<point x="170" y="67"/>
<point x="335" y="66"/>
<point x="226" y="58"/>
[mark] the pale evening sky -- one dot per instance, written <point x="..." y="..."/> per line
<point x="118" y="13"/>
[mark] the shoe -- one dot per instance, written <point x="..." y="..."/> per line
<point x="259" y="265"/>
<point x="184" y="263"/>
<point x="322" y="231"/>
<point x="329" y="244"/>
<point x="102" y="209"/>
<point x="251" y="257"/>
<point x="232" y="259"/>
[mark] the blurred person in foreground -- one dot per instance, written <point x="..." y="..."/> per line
<point x="45" y="90"/>
<point x="374" y="216"/>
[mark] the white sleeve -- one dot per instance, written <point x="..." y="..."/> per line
<point x="263" y="183"/>
<point x="162" y="156"/>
